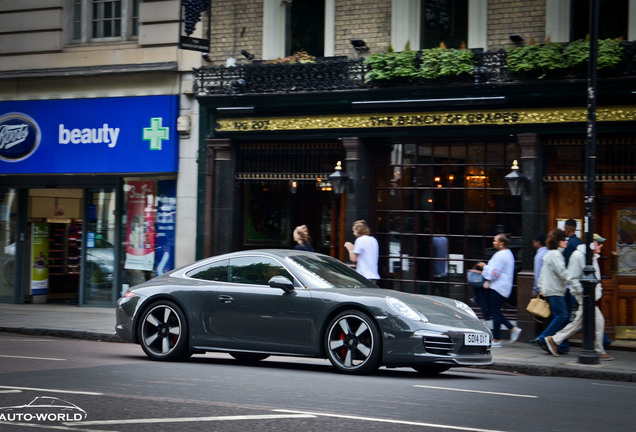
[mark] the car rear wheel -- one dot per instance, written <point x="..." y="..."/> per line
<point x="163" y="332"/>
<point x="431" y="369"/>
<point x="353" y="343"/>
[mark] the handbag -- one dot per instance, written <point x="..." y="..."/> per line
<point x="475" y="279"/>
<point x="539" y="307"/>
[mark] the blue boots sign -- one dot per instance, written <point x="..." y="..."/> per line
<point x="101" y="135"/>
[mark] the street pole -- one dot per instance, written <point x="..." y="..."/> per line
<point x="588" y="355"/>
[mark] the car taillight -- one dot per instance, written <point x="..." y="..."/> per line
<point x="129" y="294"/>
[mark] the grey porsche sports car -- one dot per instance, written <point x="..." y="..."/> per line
<point x="252" y="304"/>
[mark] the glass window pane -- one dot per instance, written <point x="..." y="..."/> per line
<point x="8" y="241"/>
<point x="444" y="21"/>
<point x="99" y="238"/>
<point x="255" y="270"/>
<point x="216" y="271"/>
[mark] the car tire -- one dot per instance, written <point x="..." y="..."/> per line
<point x="248" y="357"/>
<point x="163" y="332"/>
<point x="431" y="369"/>
<point x="353" y="343"/>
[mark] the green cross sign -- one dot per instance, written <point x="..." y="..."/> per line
<point x="155" y="133"/>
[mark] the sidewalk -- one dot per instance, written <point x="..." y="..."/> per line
<point x="93" y="323"/>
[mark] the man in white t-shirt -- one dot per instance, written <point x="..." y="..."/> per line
<point x="365" y="251"/>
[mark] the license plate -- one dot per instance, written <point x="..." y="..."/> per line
<point x="476" y="339"/>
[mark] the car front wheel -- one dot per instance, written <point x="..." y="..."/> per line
<point x="353" y="343"/>
<point x="163" y="332"/>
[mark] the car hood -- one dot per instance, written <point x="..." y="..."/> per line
<point x="438" y="310"/>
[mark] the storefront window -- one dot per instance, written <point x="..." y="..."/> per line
<point x="99" y="267"/>
<point x="148" y="229"/>
<point x="439" y="206"/>
<point x="8" y="241"/>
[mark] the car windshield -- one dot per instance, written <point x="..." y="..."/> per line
<point x="320" y="271"/>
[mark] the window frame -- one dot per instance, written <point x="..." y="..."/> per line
<point x="129" y="28"/>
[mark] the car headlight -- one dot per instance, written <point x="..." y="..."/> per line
<point x="463" y="306"/>
<point x="405" y="310"/>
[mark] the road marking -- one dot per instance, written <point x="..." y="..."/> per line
<point x="10" y="391"/>
<point x="478" y="391"/>
<point x="52" y="390"/>
<point x="402" y="422"/>
<point x="33" y="358"/>
<point x="193" y="419"/>
<point x="613" y="385"/>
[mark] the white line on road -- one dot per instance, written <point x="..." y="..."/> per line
<point x="613" y="385"/>
<point x="10" y="391"/>
<point x="402" y="422"/>
<point x="477" y="391"/>
<point x="33" y="358"/>
<point x="192" y="419"/>
<point x="52" y="390"/>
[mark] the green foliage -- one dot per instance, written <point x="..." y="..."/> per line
<point x="543" y="59"/>
<point x="446" y="62"/>
<point x="391" y="65"/>
<point x="536" y="58"/>
<point x="427" y="64"/>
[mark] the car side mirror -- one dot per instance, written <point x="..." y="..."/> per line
<point x="281" y="282"/>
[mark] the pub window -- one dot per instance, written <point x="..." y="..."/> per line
<point x="306" y="27"/>
<point x="439" y="205"/>
<point x="612" y="20"/>
<point x="444" y="21"/>
<point x="104" y="20"/>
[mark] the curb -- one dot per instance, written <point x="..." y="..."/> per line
<point x="64" y="333"/>
<point x="565" y="371"/>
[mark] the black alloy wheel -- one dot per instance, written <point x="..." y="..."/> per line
<point x="352" y="343"/>
<point x="163" y="332"/>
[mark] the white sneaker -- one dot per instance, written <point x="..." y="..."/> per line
<point x="496" y="344"/>
<point x="514" y="334"/>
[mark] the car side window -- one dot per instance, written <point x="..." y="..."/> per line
<point x="216" y="271"/>
<point x="256" y="270"/>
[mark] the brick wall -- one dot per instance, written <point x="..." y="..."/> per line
<point x="525" y="18"/>
<point x="236" y="25"/>
<point x="369" y="20"/>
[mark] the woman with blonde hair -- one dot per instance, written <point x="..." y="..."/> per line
<point x="302" y="239"/>
<point x="365" y="251"/>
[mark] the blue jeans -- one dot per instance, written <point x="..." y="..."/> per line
<point x="482" y="297"/>
<point x="496" y="300"/>
<point x="560" y="316"/>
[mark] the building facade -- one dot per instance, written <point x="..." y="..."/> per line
<point x="99" y="141"/>
<point x="425" y="159"/>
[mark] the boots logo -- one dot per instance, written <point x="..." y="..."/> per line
<point x="43" y="409"/>
<point x="19" y="137"/>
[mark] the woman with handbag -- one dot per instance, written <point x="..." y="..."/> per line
<point x="500" y="272"/>
<point x="553" y="284"/>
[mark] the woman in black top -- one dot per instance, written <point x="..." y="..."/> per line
<point x="302" y="239"/>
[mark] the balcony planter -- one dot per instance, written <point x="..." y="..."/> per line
<point x="558" y="60"/>
<point x="426" y="66"/>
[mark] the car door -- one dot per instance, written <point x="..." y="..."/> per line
<point x="255" y="316"/>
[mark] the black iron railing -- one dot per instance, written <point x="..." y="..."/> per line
<point x="340" y="73"/>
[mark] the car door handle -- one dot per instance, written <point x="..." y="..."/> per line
<point x="226" y="299"/>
